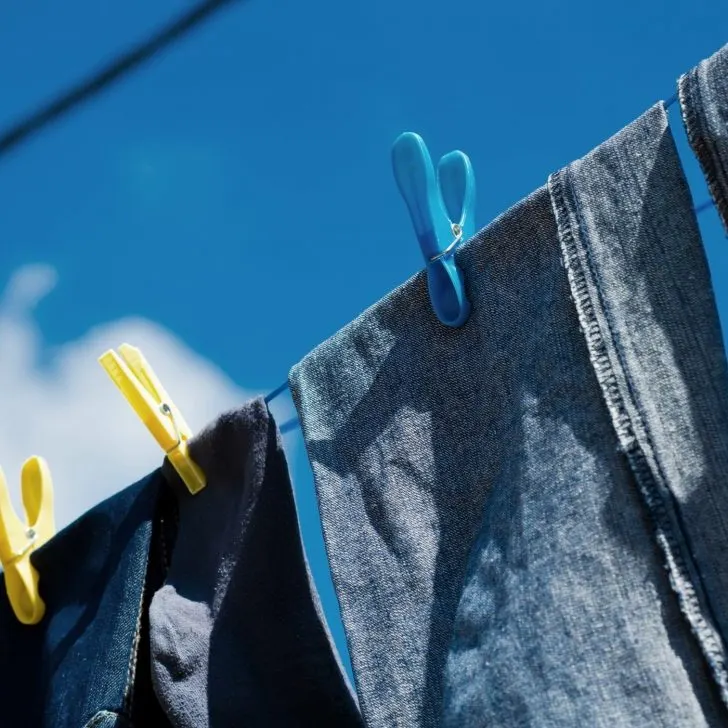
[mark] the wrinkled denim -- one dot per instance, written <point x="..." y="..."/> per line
<point x="238" y="637"/>
<point x="526" y="517"/>
<point x="87" y="662"/>
<point x="165" y="609"/>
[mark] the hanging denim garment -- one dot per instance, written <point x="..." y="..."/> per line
<point x="87" y="662"/>
<point x="237" y="633"/>
<point x="525" y="516"/>
<point x="167" y="609"/>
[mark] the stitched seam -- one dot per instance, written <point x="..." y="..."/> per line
<point x="710" y="161"/>
<point x="634" y="395"/>
<point x="626" y="432"/>
<point x="163" y="543"/>
<point x="640" y="422"/>
<point x="697" y="342"/>
<point x="131" y="669"/>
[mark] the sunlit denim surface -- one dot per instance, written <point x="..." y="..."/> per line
<point x="526" y="517"/>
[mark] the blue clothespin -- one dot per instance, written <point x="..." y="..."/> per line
<point x="443" y="214"/>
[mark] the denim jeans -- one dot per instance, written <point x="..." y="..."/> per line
<point x="87" y="662"/>
<point x="527" y="517"/>
<point x="164" y="608"/>
<point x="237" y="634"/>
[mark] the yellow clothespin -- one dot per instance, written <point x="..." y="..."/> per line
<point x="18" y="540"/>
<point x="138" y="383"/>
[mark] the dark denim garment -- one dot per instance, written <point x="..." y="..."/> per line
<point x="238" y="637"/>
<point x="704" y="100"/>
<point x="87" y="662"/>
<point x="526" y="517"/>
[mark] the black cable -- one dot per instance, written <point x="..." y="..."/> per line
<point x="109" y="74"/>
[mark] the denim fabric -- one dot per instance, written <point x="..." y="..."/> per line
<point x="80" y="665"/>
<point x="237" y="634"/>
<point x="704" y="100"/>
<point x="525" y="517"/>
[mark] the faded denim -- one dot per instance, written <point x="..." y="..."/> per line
<point x="526" y="517"/>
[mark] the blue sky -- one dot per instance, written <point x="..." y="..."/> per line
<point x="234" y="199"/>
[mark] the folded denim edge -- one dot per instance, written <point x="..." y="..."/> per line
<point x="133" y="508"/>
<point x="294" y="383"/>
<point x="153" y="484"/>
<point x="634" y="441"/>
<point x="699" y="136"/>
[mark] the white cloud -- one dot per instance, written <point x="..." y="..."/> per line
<point x="69" y="411"/>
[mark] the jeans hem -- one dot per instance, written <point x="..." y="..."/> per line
<point x="684" y="578"/>
<point x="710" y="161"/>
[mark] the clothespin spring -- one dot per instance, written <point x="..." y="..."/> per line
<point x="457" y="231"/>
<point x="32" y="537"/>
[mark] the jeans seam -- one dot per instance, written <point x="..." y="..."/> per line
<point x="163" y="545"/>
<point x="131" y="667"/>
<point x="713" y="170"/>
<point x="626" y="429"/>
